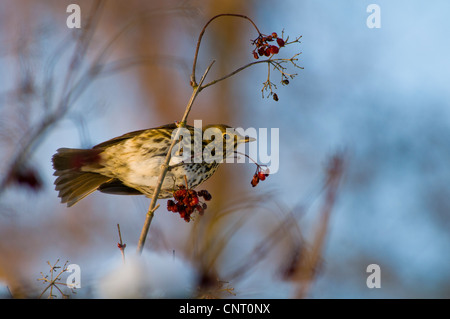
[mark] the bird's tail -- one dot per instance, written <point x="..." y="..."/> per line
<point x="72" y="183"/>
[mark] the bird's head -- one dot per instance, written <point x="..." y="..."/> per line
<point x="224" y="134"/>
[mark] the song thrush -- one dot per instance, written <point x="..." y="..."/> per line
<point x="131" y="164"/>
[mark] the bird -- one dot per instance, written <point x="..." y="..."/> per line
<point x="130" y="164"/>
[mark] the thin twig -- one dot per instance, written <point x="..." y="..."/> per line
<point x="268" y="61"/>
<point x="193" y="81"/>
<point x="165" y="165"/>
<point x="121" y="245"/>
<point x="334" y="176"/>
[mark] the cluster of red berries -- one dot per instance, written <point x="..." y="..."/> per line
<point x="260" y="175"/>
<point x="263" y="47"/>
<point x="187" y="202"/>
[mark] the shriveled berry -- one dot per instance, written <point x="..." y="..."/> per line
<point x="28" y="177"/>
<point x="171" y="205"/>
<point x="200" y="209"/>
<point x="255" y="180"/>
<point x="205" y="194"/>
<point x="261" y="51"/>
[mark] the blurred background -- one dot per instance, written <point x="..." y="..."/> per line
<point x="374" y="99"/>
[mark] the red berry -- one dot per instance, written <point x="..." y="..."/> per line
<point x="274" y="35"/>
<point x="255" y="55"/>
<point x="179" y="194"/>
<point x="261" y="176"/>
<point x="171" y="206"/>
<point x="280" y="42"/>
<point x="180" y="207"/>
<point x="274" y="49"/>
<point x="194" y="201"/>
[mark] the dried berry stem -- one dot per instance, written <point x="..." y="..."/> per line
<point x="53" y="280"/>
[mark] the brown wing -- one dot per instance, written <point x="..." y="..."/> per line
<point x="119" y="139"/>
<point x="129" y="135"/>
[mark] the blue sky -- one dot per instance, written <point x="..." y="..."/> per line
<point x="383" y="95"/>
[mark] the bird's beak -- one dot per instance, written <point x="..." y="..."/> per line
<point x="248" y="139"/>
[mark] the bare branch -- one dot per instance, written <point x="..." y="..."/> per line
<point x="165" y="165"/>
<point x="193" y="81"/>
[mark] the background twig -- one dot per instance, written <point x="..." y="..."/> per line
<point x="121" y="245"/>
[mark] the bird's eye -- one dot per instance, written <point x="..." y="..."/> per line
<point x="226" y="136"/>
